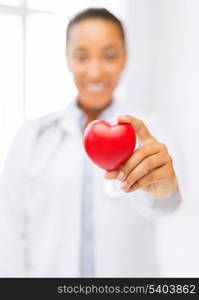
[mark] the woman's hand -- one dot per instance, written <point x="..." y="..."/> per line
<point x="149" y="167"/>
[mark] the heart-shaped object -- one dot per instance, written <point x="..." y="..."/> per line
<point x="109" y="145"/>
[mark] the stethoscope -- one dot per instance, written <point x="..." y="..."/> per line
<point x="112" y="189"/>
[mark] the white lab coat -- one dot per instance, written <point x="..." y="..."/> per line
<point x="40" y="208"/>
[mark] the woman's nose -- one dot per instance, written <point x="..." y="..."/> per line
<point x="94" y="71"/>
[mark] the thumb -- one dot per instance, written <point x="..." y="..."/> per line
<point x="140" y="128"/>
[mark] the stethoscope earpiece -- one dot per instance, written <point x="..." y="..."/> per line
<point x="113" y="190"/>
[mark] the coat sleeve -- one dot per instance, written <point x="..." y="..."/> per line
<point x="150" y="207"/>
<point x="12" y="209"/>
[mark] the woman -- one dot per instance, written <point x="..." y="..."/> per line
<point x="58" y="216"/>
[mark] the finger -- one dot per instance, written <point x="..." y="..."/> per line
<point x="140" y="128"/>
<point x="111" y="175"/>
<point x="138" y="155"/>
<point x="146" y="167"/>
<point x="153" y="177"/>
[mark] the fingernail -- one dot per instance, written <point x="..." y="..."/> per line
<point x="106" y="175"/>
<point x="123" y="185"/>
<point x="120" y="175"/>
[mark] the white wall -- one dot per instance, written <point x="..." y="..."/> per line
<point x="163" y="78"/>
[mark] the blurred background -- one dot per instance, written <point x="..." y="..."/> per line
<point x="162" y="77"/>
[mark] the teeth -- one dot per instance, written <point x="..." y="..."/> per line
<point x="96" y="87"/>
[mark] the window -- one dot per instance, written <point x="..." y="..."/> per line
<point x="34" y="76"/>
<point x="11" y="78"/>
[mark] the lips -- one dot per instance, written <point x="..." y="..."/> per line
<point x="96" y="87"/>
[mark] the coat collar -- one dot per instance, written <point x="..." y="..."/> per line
<point x="71" y="118"/>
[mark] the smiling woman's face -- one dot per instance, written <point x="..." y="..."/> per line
<point x="96" y="57"/>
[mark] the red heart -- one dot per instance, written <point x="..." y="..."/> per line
<point x="109" y="145"/>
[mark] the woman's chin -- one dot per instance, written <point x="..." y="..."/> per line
<point x="95" y="101"/>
